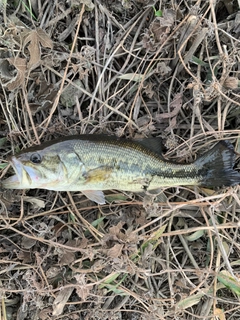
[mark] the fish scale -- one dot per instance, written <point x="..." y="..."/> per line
<point x="139" y="164"/>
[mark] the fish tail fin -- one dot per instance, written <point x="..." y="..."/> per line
<point x="216" y="166"/>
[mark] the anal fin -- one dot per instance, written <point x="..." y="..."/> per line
<point x="95" y="195"/>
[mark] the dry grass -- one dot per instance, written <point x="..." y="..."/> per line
<point x="175" y="76"/>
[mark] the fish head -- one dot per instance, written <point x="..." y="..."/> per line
<point x="41" y="168"/>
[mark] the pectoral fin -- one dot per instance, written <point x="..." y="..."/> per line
<point x="94" y="178"/>
<point x="95" y="195"/>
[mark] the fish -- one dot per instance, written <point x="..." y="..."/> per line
<point x="94" y="163"/>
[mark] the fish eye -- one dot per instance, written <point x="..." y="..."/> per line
<point x="36" y="158"/>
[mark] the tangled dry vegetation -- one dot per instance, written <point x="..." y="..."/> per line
<point x="132" y="68"/>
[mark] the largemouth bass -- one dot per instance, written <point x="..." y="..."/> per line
<point x="92" y="163"/>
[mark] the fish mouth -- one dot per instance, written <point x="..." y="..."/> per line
<point x="21" y="179"/>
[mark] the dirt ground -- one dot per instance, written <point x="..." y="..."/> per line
<point x="133" y="69"/>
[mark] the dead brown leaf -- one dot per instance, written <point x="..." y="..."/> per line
<point x="115" y="251"/>
<point x="44" y="314"/>
<point x="20" y="65"/>
<point x="52" y="272"/>
<point x="159" y="30"/>
<point x="83" y="290"/>
<point x="44" y="96"/>
<point x="36" y="39"/>
<point x="175" y="107"/>
<point x="116" y="232"/>
<point x="60" y="301"/>
<point x="68" y="256"/>
<point x="35" y="202"/>
<point x="163" y="69"/>
<point x="28" y="243"/>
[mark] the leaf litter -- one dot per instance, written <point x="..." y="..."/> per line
<point x="133" y="69"/>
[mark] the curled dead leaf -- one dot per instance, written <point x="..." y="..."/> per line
<point x="43" y="97"/>
<point x="83" y="289"/>
<point x="159" y="30"/>
<point x="115" y="251"/>
<point x="20" y="65"/>
<point x="175" y="107"/>
<point x="36" y="203"/>
<point x="163" y="69"/>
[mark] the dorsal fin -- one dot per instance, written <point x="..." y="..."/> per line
<point x="153" y="144"/>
